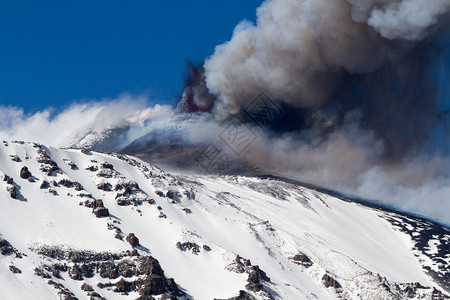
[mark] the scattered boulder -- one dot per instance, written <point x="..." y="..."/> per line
<point x="133" y="240"/>
<point x="15" y="158"/>
<point x="92" y="168"/>
<point x="87" y="288"/>
<point x="302" y="259"/>
<point x="8" y="179"/>
<point x="15" y="270"/>
<point x="77" y="186"/>
<point x="206" y="248"/>
<point x="105" y="186"/>
<point x="86" y="151"/>
<point x="188" y="246"/>
<point x="170" y="194"/>
<point x="329" y="281"/>
<point x="159" y="193"/>
<point x="66" y="182"/>
<point x="12" y="190"/>
<point x="44" y="184"/>
<point x="42" y="273"/>
<point x="25" y="173"/>
<point x="100" y="212"/>
<point x="106" y="165"/>
<point x="72" y="165"/>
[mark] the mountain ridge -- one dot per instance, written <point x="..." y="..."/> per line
<point x="223" y="237"/>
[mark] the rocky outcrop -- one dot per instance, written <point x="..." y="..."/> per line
<point x="15" y="270"/>
<point x="12" y="190"/>
<point x="193" y="247"/>
<point x="48" y="166"/>
<point x="7" y="249"/>
<point x="25" y="173"/>
<point x="8" y="179"/>
<point x="105" y="186"/>
<point x="100" y="212"/>
<point x="329" y="281"/>
<point x="133" y="240"/>
<point x="302" y="259"/>
<point x="44" y="184"/>
<point x="256" y="276"/>
<point x="141" y="274"/>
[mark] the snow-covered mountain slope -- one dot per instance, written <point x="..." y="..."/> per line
<point x="87" y="225"/>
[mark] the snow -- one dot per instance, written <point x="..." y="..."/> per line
<point x="263" y="220"/>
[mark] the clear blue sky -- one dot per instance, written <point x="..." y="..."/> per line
<point x="53" y="53"/>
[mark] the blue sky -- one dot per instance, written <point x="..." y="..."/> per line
<point x="53" y="53"/>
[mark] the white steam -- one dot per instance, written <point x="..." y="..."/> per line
<point x="80" y="125"/>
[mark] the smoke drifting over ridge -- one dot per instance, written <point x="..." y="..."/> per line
<point x="328" y="58"/>
<point x="365" y="88"/>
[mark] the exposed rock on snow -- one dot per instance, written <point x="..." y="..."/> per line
<point x="299" y="243"/>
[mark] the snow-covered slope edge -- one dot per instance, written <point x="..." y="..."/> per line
<point x="87" y="225"/>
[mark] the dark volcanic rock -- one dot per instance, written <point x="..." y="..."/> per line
<point x="8" y="179"/>
<point x="41" y="273"/>
<point x="329" y="281"/>
<point x="170" y="194"/>
<point x="25" y="173"/>
<point x="66" y="182"/>
<point x="92" y="168"/>
<point x="302" y="259"/>
<point x="150" y="266"/>
<point x="53" y="192"/>
<point x="76" y="273"/>
<point x="106" y="165"/>
<point x="15" y="158"/>
<point x="7" y="249"/>
<point x="15" y="270"/>
<point x="105" y="186"/>
<point x="133" y="240"/>
<point x="78" y="186"/>
<point x="195" y="248"/>
<point x="101" y="212"/>
<point x="45" y="184"/>
<point x="153" y="285"/>
<point x="87" y="288"/>
<point x="123" y="286"/>
<point x="12" y="190"/>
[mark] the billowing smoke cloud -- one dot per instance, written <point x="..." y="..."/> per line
<point x="332" y="57"/>
<point x="298" y="49"/>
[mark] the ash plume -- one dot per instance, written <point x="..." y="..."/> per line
<point x="328" y="58"/>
